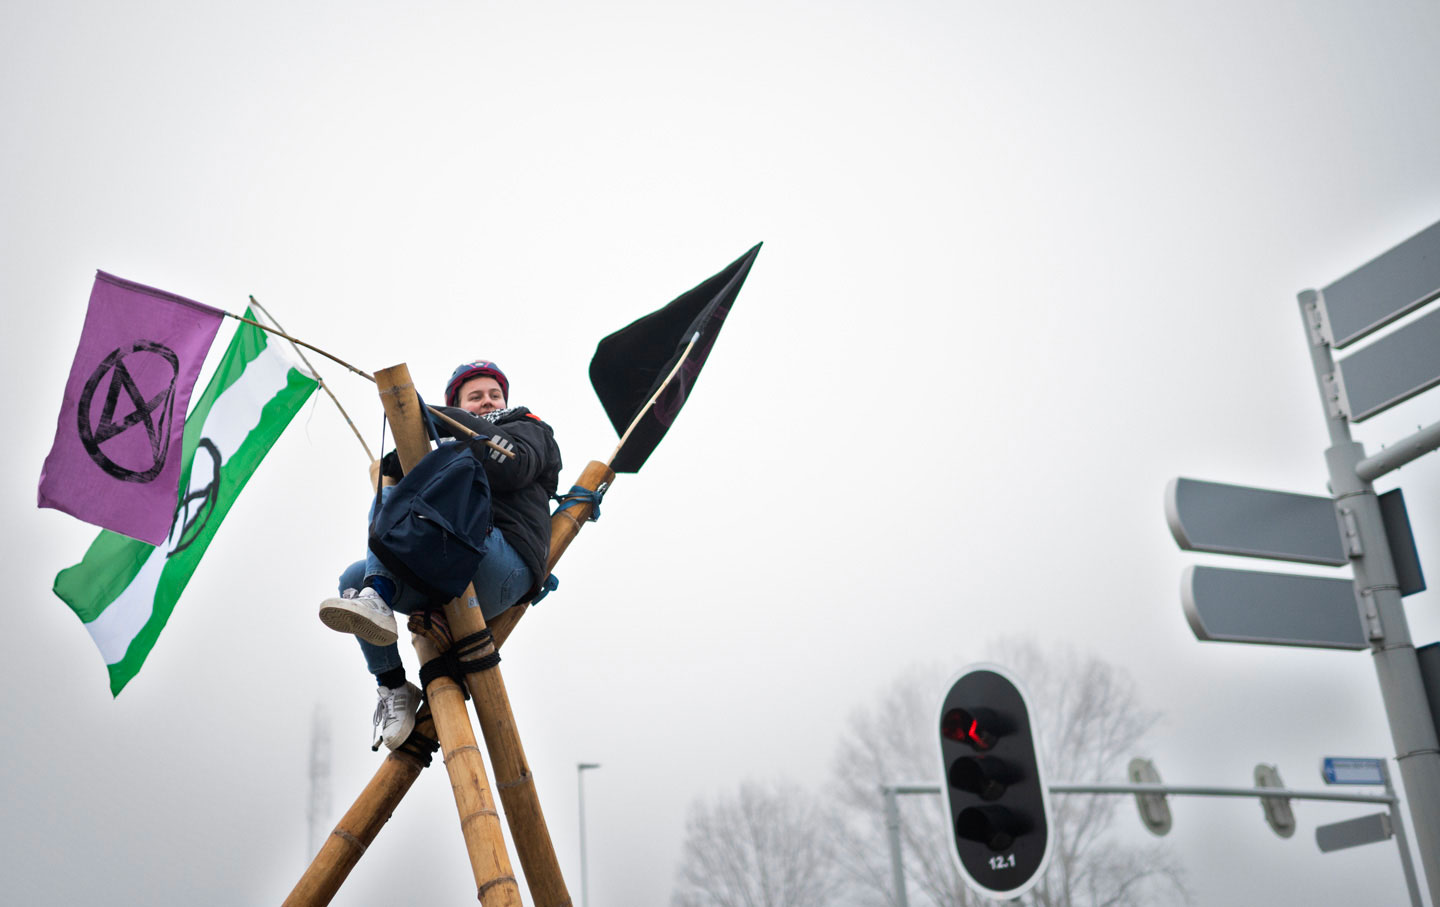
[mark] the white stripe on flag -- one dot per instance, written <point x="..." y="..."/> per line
<point x="235" y="414"/>
<point x="117" y="625"/>
<point x="237" y="411"/>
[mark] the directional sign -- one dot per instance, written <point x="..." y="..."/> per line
<point x="1273" y="608"/>
<point x="1392" y="369"/>
<point x="1353" y="832"/>
<point x="1253" y="522"/>
<point x="1344" y="770"/>
<point x="1377" y="293"/>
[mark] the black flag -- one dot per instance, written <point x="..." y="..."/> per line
<point x="636" y="362"/>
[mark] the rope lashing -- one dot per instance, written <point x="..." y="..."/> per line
<point x="458" y="660"/>
<point x="420" y="747"/>
<point x="578" y="495"/>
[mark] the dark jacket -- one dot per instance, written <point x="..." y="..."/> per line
<point x="520" y="486"/>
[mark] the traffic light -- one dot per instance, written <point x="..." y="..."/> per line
<point x="1154" y="808"/>
<point x="993" y="783"/>
<point x="1278" y="814"/>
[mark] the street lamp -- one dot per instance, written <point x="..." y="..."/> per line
<point x="580" y="768"/>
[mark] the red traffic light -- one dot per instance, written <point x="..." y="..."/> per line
<point x="975" y="728"/>
<point x="993" y="782"/>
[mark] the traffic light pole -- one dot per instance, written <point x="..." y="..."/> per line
<point x="1382" y="612"/>
<point x="892" y="832"/>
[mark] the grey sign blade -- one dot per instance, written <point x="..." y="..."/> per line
<point x="1392" y="369"/>
<point x="1278" y="609"/>
<point x="1375" y="294"/>
<point x="1253" y="522"/>
<point x="1353" y="832"/>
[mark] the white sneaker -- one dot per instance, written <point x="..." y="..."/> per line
<point x="364" y="613"/>
<point x="395" y="715"/>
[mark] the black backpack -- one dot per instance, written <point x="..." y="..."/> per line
<point x="430" y="529"/>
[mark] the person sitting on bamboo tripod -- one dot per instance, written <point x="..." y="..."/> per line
<point x="512" y="568"/>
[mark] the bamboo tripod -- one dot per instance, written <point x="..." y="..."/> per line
<point x="479" y="821"/>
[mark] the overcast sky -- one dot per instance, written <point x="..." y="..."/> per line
<point x="1023" y="264"/>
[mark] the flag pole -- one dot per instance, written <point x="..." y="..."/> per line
<point x="323" y="386"/>
<point x="366" y="375"/>
<point x="653" y="397"/>
<point x="297" y="341"/>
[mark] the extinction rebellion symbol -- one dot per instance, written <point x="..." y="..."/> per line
<point x="151" y="409"/>
<point x="197" y="506"/>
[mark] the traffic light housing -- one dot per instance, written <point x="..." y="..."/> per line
<point x="993" y="782"/>
<point x="1278" y="814"/>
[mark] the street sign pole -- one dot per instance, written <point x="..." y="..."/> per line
<point x="1381" y="611"/>
<point x="1346" y="771"/>
<point x="1397" y="826"/>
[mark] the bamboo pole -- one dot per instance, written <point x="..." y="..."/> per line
<point x="564" y="526"/>
<point x="516" y="784"/>
<point x="359" y="826"/>
<point x="495" y="884"/>
<point x="479" y="821"/>
<point x="513" y="778"/>
<point x="373" y="808"/>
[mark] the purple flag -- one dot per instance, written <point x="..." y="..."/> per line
<point x="116" y="458"/>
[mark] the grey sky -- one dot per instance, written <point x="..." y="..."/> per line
<point x="1023" y="264"/>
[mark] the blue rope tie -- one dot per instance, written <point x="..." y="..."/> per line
<point x="577" y="495"/>
<point x="552" y="582"/>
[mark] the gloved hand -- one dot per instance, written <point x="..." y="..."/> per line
<point x="390" y="466"/>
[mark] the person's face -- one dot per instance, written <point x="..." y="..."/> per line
<point x="481" y="395"/>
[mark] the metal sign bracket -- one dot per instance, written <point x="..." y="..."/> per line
<point x="1316" y="321"/>
<point x="1336" y="406"/>
<point x="1350" y="532"/>
<point x="1370" y="614"/>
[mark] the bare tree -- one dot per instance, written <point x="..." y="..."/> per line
<point x="767" y="847"/>
<point x="1090" y="719"/>
<point x="889" y="743"/>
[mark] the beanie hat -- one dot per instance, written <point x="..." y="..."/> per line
<point x="480" y="368"/>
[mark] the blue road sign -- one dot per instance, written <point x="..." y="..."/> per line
<point x="1347" y="770"/>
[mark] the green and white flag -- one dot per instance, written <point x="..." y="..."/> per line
<point x="124" y="590"/>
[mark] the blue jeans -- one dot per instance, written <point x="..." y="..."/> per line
<point x="501" y="581"/>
